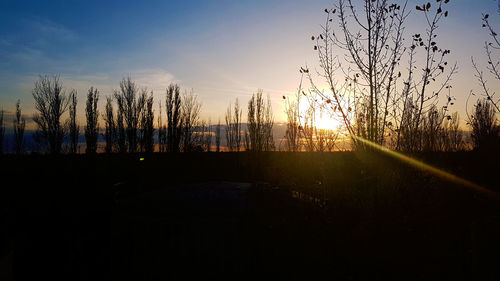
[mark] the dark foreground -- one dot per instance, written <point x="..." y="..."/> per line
<point x="343" y="216"/>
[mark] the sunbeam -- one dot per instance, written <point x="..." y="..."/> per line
<point x="433" y="170"/>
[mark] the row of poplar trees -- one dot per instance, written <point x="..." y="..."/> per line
<point x="128" y="119"/>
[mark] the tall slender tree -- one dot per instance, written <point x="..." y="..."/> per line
<point x="130" y="107"/>
<point x="110" y="127"/>
<point x="162" y="132"/>
<point x="19" y="125"/>
<point x="74" y="129"/>
<point x="174" y="122"/>
<point x="292" y="135"/>
<point x="190" y="111"/>
<point x="2" y="131"/>
<point x="50" y="104"/>
<point x="217" y="137"/>
<point x="147" y="125"/>
<point x="121" y="134"/>
<point x="233" y="127"/>
<point x="92" y="127"/>
<point x="260" y="124"/>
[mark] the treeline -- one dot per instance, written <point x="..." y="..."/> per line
<point x="128" y="122"/>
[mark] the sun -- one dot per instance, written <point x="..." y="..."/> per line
<point x="326" y="122"/>
<point x="323" y="120"/>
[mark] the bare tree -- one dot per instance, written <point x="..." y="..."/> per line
<point x="18" y="125"/>
<point x="109" y="124"/>
<point x="50" y="105"/>
<point x="121" y="134"/>
<point x="208" y="136"/>
<point x="205" y="134"/>
<point x="147" y="128"/>
<point x="331" y="138"/>
<point x="452" y="136"/>
<point x="162" y="132"/>
<point x="434" y="67"/>
<point x="260" y="124"/>
<point x="431" y="129"/>
<point x="130" y="107"/>
<point x="371" y="98"/>
<point x="173" y="107"/>
<point x="268" y="127"/>
<point x="493" y="65"/>
<point x="292" y="135"/>
<point x="247" y="142"/>
<point x="217" y="137"/>
<point x="2" y="132"/>
<point x="92" y="116"/>
<point x="190" y="111"/>
<point x="233" y="127"/>
<point x="372" y="41"/>
<point x="308" y="129"/>
<point x="74" y="129"/>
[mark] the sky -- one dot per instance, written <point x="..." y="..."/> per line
<point x="222" y="50"/>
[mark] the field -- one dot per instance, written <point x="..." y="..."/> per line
<point x="340" y="215"/>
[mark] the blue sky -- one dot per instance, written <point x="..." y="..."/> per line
<point x="223" y="50"/>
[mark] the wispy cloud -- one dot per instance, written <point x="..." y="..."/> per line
<point x="155" y="79"/>
<point x="46" y="32"/>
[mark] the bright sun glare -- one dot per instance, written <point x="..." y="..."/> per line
<point x="323" y="120"/>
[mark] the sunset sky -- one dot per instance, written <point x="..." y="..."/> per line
<point x="223" y="50"/>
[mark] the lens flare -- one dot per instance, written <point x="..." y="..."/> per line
<point x="426" y="167"/>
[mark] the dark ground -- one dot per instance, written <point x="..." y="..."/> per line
<point x="308" y="216"/>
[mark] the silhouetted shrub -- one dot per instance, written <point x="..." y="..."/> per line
<point x="485" y="130"/>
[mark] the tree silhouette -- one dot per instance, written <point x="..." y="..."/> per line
<point x="217" y="137"/>
<point x="130" y="107"/>
<point x="452" y="136"/>
<point x="493" y="66"/>
<point x="147" y="125"/>
<point x="292" y="135"/>
<point x="308" y="129"/>
<point x="174" y="122"/>
<point x="162" y="132"/>
<point x="260" y="124"/>
<point x="18" y="125"/>
<point x="205" y="135"/>
<point x="121" y="135"/>
<point x="2" y="131"/>
<point x="233" y="127"/>
<point x="92" y="115"/>
<point x="50" y="105"/>
<point x="485" y="130"/>
<point x="372" y="98"/>
<point x="74" y="129"/>
<point x="110" y="127"/>
<point x="435" y="64"/>
<point x="190" y="115"/>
